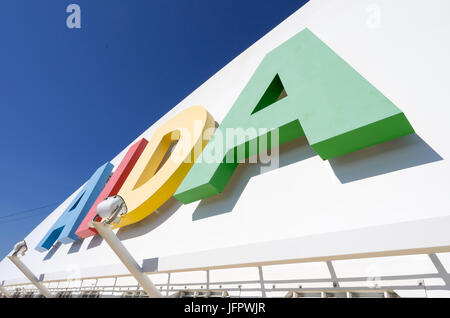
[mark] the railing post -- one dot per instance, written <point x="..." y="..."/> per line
<point x="5" y="292"/>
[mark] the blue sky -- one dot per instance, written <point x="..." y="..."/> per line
<point x="62" y="90"/>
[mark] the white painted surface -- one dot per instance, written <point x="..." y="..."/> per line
<point x="406" y="58"/>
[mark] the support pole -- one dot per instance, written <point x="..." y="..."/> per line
<point x="5" y="292"/>
<point x="29" y="274"/>
<point x="127" y="259"/>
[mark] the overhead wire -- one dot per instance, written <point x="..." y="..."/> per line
<point x="20" y="214"/>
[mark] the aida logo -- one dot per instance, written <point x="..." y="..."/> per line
<point x="301" y="88"/>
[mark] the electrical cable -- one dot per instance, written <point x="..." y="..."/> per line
<point x="28" y="210"/>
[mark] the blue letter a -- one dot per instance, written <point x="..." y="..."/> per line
<point x="64" y="228"/>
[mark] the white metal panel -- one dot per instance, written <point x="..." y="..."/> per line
<point x="404" y="55"/>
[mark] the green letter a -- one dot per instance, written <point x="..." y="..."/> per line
<point x="300" y="88"/>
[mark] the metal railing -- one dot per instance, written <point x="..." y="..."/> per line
<point x="234" y="289"/>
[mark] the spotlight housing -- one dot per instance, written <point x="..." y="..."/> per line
<point x="111" y="209"/>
